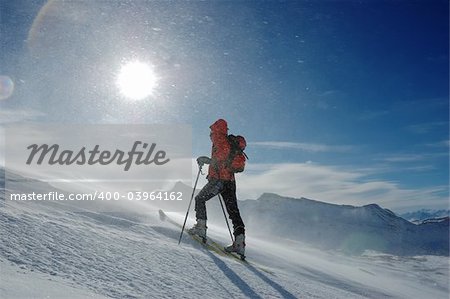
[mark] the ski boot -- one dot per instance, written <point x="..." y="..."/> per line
<point x="238" y="246"/>
<point x="199" y="229"/>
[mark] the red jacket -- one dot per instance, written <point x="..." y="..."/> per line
<point x="220" y="151"/>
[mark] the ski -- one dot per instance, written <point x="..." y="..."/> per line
<point x="207" y="243"/>
<point x="214" y="246"/>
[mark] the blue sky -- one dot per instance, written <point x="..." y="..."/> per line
<point x="340" y="101"/>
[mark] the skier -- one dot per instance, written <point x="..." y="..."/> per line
<point x="220" y="181"/>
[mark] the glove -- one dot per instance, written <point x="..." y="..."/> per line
<point x="203" y="160"/>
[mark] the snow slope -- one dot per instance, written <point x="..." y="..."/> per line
<point x="59" y="250"/>
<point x="20" y="282"/>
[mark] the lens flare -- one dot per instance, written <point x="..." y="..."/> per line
<point x="6" y="87"/>
<point x="137" y="80"/>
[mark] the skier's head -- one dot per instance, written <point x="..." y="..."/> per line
<point x="219" y="127"/>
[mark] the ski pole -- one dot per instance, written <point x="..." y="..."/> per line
<point x="226" y="219"/>
<point x="189" y="207"/>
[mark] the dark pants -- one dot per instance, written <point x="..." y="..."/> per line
<point x="228" y="191"/>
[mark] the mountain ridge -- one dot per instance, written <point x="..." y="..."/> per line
<point x="352" y="229"/>
<point x="349" y="228"/>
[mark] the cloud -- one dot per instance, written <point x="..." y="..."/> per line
<point x="425" y="128"/>
<point x="443" y="143"/>
<point x="409" y="158"/>
<point x="2" y="147"/>
<point x="404" y="158"/>
<point x="335" y="185"/>
<point x="18" y="116"/>
<point x="309" y="147"/>
<point x="370" y="115"/>
<point x="328" y="93"/>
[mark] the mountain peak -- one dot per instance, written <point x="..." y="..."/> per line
<point x="268" y="196"/>
<point x="373" y="206"/>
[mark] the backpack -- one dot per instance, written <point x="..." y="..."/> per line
<point x="237" y="157"/>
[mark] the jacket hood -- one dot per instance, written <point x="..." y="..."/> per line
<point x="220" y="126"/>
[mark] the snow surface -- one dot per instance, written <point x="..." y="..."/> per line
<point x="20" y="282"/>
<point x="59" y="250"/>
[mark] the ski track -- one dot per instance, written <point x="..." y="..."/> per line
<point x="123" y="258"/>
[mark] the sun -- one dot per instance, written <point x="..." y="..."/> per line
<point x="137" y="80"/>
